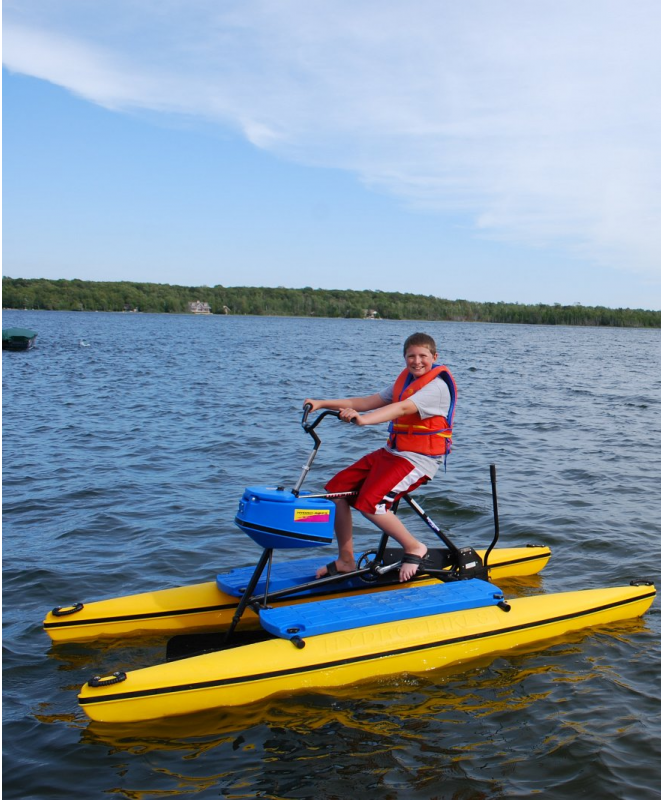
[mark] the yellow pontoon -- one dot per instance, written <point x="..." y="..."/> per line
<point x="252" y="672"/>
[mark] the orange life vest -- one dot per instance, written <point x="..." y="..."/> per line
<point x="431" y="436"/>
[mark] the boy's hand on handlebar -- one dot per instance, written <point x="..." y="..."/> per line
<point x="350" y="415"/>
<point x="315" y="405"/>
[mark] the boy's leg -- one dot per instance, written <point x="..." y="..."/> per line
<point x="390" y="524"/>
<point x="347" y="480"/>
<point x="390" y="477"/>
<point x="344" y="534"/>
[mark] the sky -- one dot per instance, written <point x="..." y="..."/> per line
<point x="489" y="150"/>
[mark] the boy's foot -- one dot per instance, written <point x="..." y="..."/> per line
<point x="339" y="567"/>
<point x="411" y="563"/>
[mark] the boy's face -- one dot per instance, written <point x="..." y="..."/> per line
<point x="419" y="360"/>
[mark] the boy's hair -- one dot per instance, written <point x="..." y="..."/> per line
<point x="422" y="340"/>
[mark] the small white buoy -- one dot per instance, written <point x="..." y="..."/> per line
<point x="83" y="343"/>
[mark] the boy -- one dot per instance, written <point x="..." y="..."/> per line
<point x="419" y="407"/>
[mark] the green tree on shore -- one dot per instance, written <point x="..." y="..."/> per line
<point x="78" y="295"/>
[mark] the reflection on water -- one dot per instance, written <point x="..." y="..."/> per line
<point x="492" y="719"/>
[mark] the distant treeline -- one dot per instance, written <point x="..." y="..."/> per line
<point x="77" y="295"/>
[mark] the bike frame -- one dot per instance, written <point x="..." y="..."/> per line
<point x="460" y="563"/>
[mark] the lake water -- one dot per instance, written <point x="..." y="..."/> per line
<point x="127" y="441"/>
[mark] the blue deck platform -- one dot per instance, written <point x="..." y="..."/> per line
<point x="345" y="613"/>
<point x="283" y="576"/>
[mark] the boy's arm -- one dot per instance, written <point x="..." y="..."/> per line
<point x="356" y="404"/>
<point x="432" y="400"/>
<point x="383" y="413"/>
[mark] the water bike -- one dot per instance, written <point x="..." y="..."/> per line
<point x="283" y="520"/>
<point x="255" y="632"/>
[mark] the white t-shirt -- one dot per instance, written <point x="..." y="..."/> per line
<point x="433" y="400"/>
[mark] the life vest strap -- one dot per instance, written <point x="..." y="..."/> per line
<point x="420" y="430"/>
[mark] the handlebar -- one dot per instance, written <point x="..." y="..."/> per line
<point x="306" y="411"/>
<point x="310" y="428"/>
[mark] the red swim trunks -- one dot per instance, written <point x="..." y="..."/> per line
<point x="380" y="478"/>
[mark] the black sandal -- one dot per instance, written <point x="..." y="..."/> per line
<point x="412" y="558"/>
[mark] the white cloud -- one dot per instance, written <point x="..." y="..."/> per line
<point x="541" y="121"/>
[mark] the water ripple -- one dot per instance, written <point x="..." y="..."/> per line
<point x="123" y="465"/>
